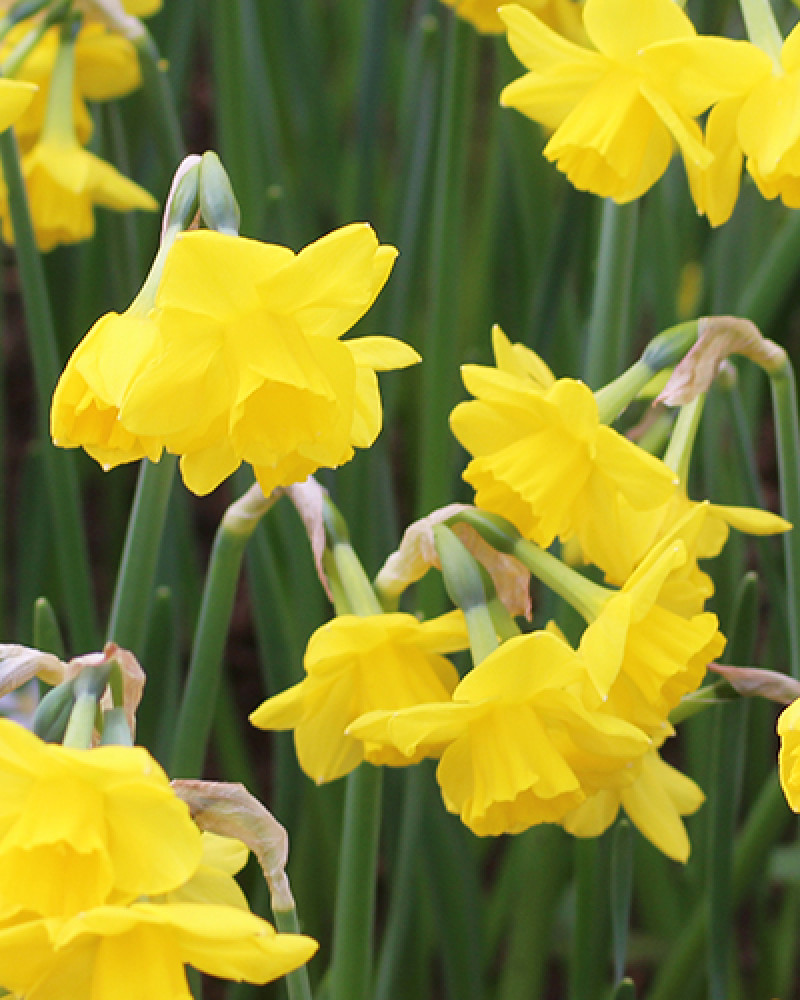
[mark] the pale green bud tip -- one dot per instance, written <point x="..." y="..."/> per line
<point x="218" y="205"/>
<point x="182" y="200"/>
<point x="667" y="349"/>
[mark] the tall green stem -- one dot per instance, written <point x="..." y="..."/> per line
<point x="61" y="482"/>
<point x="762" y="28"/>
<point x="609" y="319"/>
<point x="787" y="426"/>
<point x="202" y="683"/>
<point x="133" y="592"/>
<point x="351" y="962"/>
<point x="165" y="119"/>
<point x="438" y="372"/>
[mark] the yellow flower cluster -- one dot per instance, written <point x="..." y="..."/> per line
<point x="238" y="359"/>
<point x="107" y="887"/>
<point x="539" y="731"/>
<point x="64" y="180"/>
<point x="619" y="105"/>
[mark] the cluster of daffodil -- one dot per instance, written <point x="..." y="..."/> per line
<point x="539" y="730"/>
<point x="232" y="353"/>
<point x="70" y="54"/>
<point x="622" y="84"/>
<point x="107" y="885"/>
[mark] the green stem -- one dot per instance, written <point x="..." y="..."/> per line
<point x="765" y="824"/>
<point x="81" y="722"/>
<point x="349" y="582"/>
<point x="467" y="589"/>
<point x="165" y="119"/>
<point x="728" y="752"/>
<point x="200" y="694"/>
<point x="297" y="983"/>
<point x="587" y="980"/>
<point x="679" y="451"/>
<point x="438" y="373"/>
<point x="586" y="597"/>
<point x="403" y="896"/>
<point x="134" y="587"/>
<point x="61" y="483"/>
<point x="787" y="427"/>
<point x="59" y="122"/>
<point x="351" y="962"/>
<point x="608" y="333"/>
<point x="613" y="398"/>
<point x="762" y="28"/>
<point x="764" y="296"/>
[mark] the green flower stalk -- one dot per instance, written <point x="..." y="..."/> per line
<point x="72" y="560"/>
<point x="196" y="713"/>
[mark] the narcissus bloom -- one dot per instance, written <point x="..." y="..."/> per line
<point x="141" y="950"/>
<point x="543" y="460"/>
<point x="641" y="655"/>
<point x="65" y="182"/>
<point x="620" y="107"/>
<point x="517" y="745"/>
<point x="789" y="756"/>
<point x="77" y="825"/>
<point x="655" y="802"/>
<point x="354" y="665"/>
<point x="243" y="362"/>
<point x="563" y="16"/>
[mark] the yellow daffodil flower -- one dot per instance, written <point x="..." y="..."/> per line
<point x="354" y="665"/>
<point x="789" y="755"/>
<point x="141" y="950"/>
<point x="543" y="460"/>
<point x="65" y="182"/>
<point x="655" y="802"/>
<point x="77" y="825"/>
<point x="641" y="655"/>
<point x="563" y="16"/>
<point x="619" y="108"/>
<point x="516" y="745"/>
<point x="241" y="360"/>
